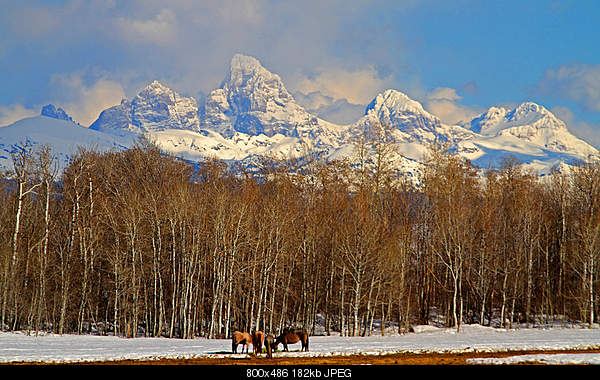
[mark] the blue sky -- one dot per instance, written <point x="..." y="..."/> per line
<point x="456" y="57"/>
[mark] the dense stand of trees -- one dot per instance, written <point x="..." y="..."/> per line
<point x="137" y="243"/>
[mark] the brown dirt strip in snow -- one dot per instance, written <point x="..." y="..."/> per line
<point x="387" y="359"/>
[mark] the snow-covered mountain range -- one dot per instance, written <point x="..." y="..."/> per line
<point x="252" y="114"/>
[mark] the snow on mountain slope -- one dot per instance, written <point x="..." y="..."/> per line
<point x="63" y="136"/>
<point x="528" y="132"/>
<point x="253" y="101"/>
<point x="195" y="146"/>
<point x="490" y="151"/>
<point x="533" y="123"/>
<point x="408" y="120"/>
<point x="155" y="108"/>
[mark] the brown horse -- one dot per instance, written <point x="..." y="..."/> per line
<point x="257" y="342"/>
<point x="269" y="342"/>
<point x="290" y="337"/>
<point x="242" y="338"/>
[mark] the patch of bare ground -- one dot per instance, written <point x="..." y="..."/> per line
<point x="345" y="360"/>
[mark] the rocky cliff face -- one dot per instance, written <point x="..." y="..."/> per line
<point x="252" y="100"/>
<point x="50" y="110"/>
<point x="155" y="108"/>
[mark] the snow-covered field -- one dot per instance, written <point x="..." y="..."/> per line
<point x="19" y="347"/>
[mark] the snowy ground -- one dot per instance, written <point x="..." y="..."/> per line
<point x="18" y="347"/>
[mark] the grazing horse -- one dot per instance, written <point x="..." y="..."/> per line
<point x="257" y="341"/>
<point x="242" y="338"/>
<point x="290" y="337"/>
<point x="269" y="342"/>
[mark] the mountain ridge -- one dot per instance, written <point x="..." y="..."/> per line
<point x="253" y="114"/>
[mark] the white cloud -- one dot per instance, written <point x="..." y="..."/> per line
<point x="357" y="86"/>
<point x="580" y="83"/>
<point x="442" y="102"/>
<point x="444" y="93"/>
<point x="83" y="101"/>
<point x="337" y="111"/>
<point x="160" y="30"/>
<point x="11" y="113"/>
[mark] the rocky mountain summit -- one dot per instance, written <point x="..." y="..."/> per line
<point x="532" y="123"/>
<point x="251" y="100"/>
<point x="154" y="108"/>
<point x="410" y="122"/>
<point x="50" y="110"/>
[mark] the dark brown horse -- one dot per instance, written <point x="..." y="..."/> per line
<point x="290" y="337"/>
<point x="269" y="342"/>
<point x="242" y="338"/>
<point x="257" y="342"/>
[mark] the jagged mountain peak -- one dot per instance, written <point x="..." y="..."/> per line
<point x="251" y="86"/>
<point x="245" y="64"/>
<point x="530" y="112"/>
<point x="50" y="110"/>
<point x="484" y="123"/>
<point x="406" y="116"/>
<point x="497" y="120"/>
<point x="156" y="107"/>
<point x="155" y="87"/>
<point x="252" y="100"/>
<point x="396" y="102"/>
<point x="532" y="123"/>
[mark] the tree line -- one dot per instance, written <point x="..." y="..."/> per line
<point x="139" y="243"/>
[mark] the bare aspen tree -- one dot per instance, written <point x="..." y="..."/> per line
<point x="48" y="170"/>
<point x="22" y="156"/>
<point x="450" y="185"/>
<point x="586" y="199"/>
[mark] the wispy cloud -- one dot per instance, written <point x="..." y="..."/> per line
<point x="84" y="98"/>
<point x="11" y="113"/>
<point x="358" y="86"/>
<point x="579" y="83"/>
<point x="443" y="102"/>
<point x="159" y="30"/>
